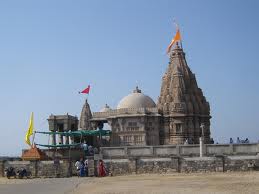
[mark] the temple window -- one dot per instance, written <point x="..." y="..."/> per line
<point x="61" y="127"/>
<point x="132" y="124"/>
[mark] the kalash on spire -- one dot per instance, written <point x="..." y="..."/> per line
<point x="181" y="103"/>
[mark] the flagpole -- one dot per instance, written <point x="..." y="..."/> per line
<point x="33" y="137"/>
<point x="181" y="44"/>
<point x="177" y="28"/>
<point x="87" y="96"/>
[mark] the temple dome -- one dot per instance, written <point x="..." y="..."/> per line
<point x="106" y="108"/>
<point x="136" y="100"/>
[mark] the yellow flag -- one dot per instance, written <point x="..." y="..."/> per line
<point x="30" y="131"/>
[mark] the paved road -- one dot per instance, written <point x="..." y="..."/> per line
<point x="40" y="186"/>
<point x="180" y="183"/>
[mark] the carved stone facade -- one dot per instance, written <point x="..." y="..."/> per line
<point x="138" y="130"/>
<point x="182" y="104"/>
<point x="134" y="122"/>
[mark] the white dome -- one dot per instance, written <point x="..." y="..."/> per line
<point x="106" y="108"/>
<point x="136" y="100"/>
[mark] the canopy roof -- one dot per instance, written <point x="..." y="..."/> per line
<point x="59" y="145"/>
<point x="79" y="133"/>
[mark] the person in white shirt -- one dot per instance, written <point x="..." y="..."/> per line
<point x="77" y="165"/>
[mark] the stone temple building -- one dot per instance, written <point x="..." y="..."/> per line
<point x="137" y="120"/>
<point x="178" y="115"/>
<point x="181" y="104"/>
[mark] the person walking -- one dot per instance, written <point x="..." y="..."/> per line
<point x="101" y="169"/>
<point x="77" y="165"/>
<point x="85" y="148"/>
<point x="82" y="168"/>
<point x="86" y="167"/>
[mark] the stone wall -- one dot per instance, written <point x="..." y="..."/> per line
<point x="52" y="169"/>
<point x="179" y="150"/>
<point x="181" y="164"/>
<point x="73" y="153"/>
<point x="152" y="159"/>
<point x="139" y="165"/>
<point x="62" y="168"/>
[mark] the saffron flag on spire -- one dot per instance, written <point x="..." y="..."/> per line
<point x="177" y="37"/>
<point x="29" y="131"/>
<point x="86" y="90"/>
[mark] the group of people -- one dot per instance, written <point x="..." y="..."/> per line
<point x="82" y="168"/>
<point x="231" y="141"/>
<point x="89" y="150"/>
<point x="190" y="141"/>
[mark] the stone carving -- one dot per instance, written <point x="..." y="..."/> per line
<point x="180" y="97"/>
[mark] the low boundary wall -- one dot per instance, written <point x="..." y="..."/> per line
<point x="151" y="159"/>
<point x="179" y="150"/>
<point x="139" y="165"/>
<point x="181" y="164"/>
<point x="48" y="168"/>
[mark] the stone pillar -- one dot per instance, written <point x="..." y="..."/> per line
<point x="152" y="150"/>
<point x="71" y="140"/>
<point x="91" y="167"/>
<point x="126" y="151"/>
<point x="201" y="146"/>
<point x="1" y="168"/>
<point x="133" y="162"/>
<point x="176" y="164"/>
<point x="60" y="139"/>
<point x="231" y="149"/>
<point x="66" y="129"/>
<point x="53" y="139"/>
<point x="66" y="139"/>
<point x="257" y="151"/>
<point x="177" y="147"/>
<point x="68" y="165"/>
<point x="34" y="168"/>
<point x="220" y="163"/>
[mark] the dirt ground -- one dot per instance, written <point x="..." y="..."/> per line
<point x="202" y="183"/>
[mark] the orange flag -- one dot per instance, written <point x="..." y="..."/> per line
<point x="177" y="37"/>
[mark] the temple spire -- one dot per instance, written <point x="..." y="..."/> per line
<point x="182" y="102"/>
<point x="86" y="115"/>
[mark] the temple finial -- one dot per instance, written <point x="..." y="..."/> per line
<point x="137" y="90"/>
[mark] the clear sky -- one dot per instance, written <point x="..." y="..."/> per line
<point x="50" y="49"/>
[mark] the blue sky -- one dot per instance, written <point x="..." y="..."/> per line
<point x="52" y="49"/>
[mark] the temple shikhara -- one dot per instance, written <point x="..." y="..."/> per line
<point x="182" y="104"/>
<point x="177" y="117"/>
